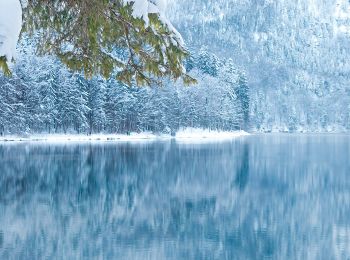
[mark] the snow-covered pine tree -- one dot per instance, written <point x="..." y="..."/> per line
<point x="5" y="107"/>
<point x="208" y="63"/>
<point x="121" y="114"/>
<point x="112" y="88"/>
<point x="16" y="98"/>
<point x="95" y="89"/>
<point x="40" y="74"/>
<point x="72" y="104"/>
<point x="171" y="109"/>
<point x="48" y="102"/>
<point x="242" y="92"/>
<point x="230" y="76"/>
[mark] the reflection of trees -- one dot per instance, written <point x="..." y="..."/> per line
<point x="243" y="170"/>
<point x="172" y="200"/>
<point x="137" y="194"/>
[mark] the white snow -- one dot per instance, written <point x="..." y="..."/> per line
<point x="141" y="9"/>
<point x="10" y="27"/>
<point x="80" y="138"/>
<point x="195" y="135"/>
<point x="187" y="135"/>
<point x="162" y="4"/>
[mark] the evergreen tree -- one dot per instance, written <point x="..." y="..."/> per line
<point x="17" y="98"/>
<point x="95" y="89"/>
<point x="96" y="104"/>
<point x="5" y="107"/>
<point x="48" y="104"/>
<point x="208" y="63"/>
<point x="120" y="107"/>
<point x="72" y="104"/>
<point x="242" y="91"/>
<point x="85" y="35"/>
<point x="40" y="75"/>
<point x="172" y="109"/>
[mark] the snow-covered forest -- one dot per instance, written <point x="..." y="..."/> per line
<point x="296" y="55"/>
<point x="260" y="66"/>
<point x="42" y="96"/>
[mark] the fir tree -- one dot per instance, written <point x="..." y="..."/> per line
<point x="98" y="37"/>
<point x="72" y="104"/>
<point x="5" y="107"/>
<point x="242" y="92"/>
<point x="208" y="63"/>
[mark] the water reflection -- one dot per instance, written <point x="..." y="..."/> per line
<point x="278" y="197"/>
<point x="243" y="170"/>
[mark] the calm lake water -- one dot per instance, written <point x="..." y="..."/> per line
<point x="257" y="197"/>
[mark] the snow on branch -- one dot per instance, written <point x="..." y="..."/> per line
<point x="45" y="16"/>
<point x="11" y="21"/>
<point x="10" y="27"/>
<point x="141" y="9"/>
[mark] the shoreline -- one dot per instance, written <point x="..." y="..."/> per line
<point x="186" y="135"/>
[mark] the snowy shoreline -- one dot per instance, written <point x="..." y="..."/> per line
<point x="186" y="135"/>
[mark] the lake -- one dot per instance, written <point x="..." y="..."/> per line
<point x="255" y="197"/>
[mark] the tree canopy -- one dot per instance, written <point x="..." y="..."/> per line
<point x="105" y="37"/>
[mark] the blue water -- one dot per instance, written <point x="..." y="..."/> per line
<point x="258" y="197"/>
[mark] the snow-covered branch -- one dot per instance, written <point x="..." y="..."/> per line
<point x="140" y="26"/>
<point x="10" y="27"/>
<point x="142" y="8"/>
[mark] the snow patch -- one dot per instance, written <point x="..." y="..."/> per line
<point x="196" y="134"/>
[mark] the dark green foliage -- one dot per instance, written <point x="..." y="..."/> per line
<point x="85" y="35"/>
<point x="4" y="66"/>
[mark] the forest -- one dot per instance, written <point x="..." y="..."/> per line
<point x="43" y="96"/>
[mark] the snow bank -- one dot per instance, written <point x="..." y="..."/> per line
<point x="192" y="135"/>
<point x="10" y="27"/>
<point x="80" y="138"/>
<point x="188" y="135"/>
